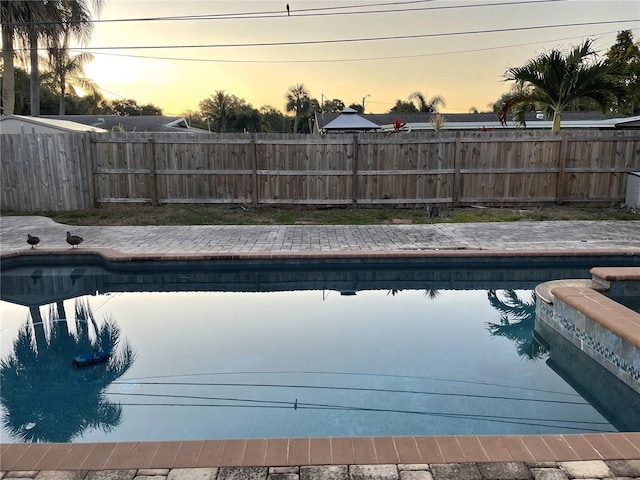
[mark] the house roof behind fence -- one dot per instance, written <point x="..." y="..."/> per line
<point x="474" y="121"/>
<point x="22" y="124"/>
<point x="131" y="123"/>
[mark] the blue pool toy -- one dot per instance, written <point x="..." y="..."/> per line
<point x="94" y="356"/>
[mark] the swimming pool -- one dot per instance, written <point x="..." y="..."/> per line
<point x="209" y="353"/>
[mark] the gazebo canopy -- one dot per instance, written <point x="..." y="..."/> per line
<point x="349" y="120"/>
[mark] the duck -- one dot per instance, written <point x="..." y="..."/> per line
<point x="36" y="275"/>
<point x="74" y="240"/>
<point x="76" y="274"/>
<point x="33" y="241"/>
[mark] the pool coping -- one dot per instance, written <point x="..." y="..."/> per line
<point x="320" y="451"/>
<point x="117" y="256"/>
<point x="614" y="317"/>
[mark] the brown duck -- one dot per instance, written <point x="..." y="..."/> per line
<point x="33" y="241"/>
<point x="73" y="240"/>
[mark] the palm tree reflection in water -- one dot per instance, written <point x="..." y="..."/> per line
<point x="47" y="399"/>
<point x="431" y="294"/>
<point x="517" y="318"/>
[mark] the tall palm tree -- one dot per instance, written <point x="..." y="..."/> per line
<point x="45" y="398"/>
<point x="44" y="23"/>
<point x="70" y="18"/>
<point x="298" y="102"/>
<point x="554" y="80"/>
<point x="68" y="71"/>
<point x="14" y="14"/>
<point x="33" y="22"/>
<point x="428" y="105"/>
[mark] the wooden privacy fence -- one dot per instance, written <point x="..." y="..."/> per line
<point x="77" y="171"/>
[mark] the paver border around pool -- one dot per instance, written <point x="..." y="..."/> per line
<point x="116" y="256"/>
<point x="321" y="451"/>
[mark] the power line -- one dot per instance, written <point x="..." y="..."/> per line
<point x="302" y="405"/>
<point x="361" y="389"/>
<point x="401" y="10"/>
<point x="306" y="12"/>
<point x="277" y="404"/>
<point x="495" y="419"/>
<point x="361" y="39"/>
<point x="527" y="388"/>
<point x="239" y="15"/>
<point x="340" y="60"/>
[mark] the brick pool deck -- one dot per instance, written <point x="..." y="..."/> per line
<point x="405" y="458"/>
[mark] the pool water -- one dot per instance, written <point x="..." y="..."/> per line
<point x="632" y="302"/>
<point x="300" y="363"/>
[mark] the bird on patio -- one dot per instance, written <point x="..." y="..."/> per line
<point x="74" y="240"/>
<point x="33" y="241"/>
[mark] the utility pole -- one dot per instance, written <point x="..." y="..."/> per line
<point x="363" y="99"/>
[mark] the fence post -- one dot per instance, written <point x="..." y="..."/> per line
<point x="562" y="165"/>
<point x="90" y="168"/>
<point x="457" y="178"/>
<point x="354" y="175"/>
<point x="254" y="169"/>
<point x="151" y="149"/>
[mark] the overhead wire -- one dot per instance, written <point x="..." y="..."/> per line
<point x="357" y="389"/>
<point x="244" y="402"/>
<point x="298" y="405"/>
<point x="304" y="12"/>
<point x="342" y="60"/>
<point x="360" y="39"/>
<point x="349" y="374"/>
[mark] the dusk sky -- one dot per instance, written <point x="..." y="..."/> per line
<point x="165" y="53"/>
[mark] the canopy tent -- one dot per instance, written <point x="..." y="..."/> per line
<point x="349" y="121"/>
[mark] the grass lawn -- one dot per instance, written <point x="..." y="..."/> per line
<point x="247" y="215"/>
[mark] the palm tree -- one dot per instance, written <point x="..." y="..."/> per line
<point x="68" y="71"/>
<point x="35" y="28"/>
<point x="430" y="105"/>
<point x="432" y="293"/>
<point x="13" y="14"/>
<point x="34" y="22"/>
<point x="297" y="102"/>
<point x="553" y="81"/>
<point x="516" y="323"/>
<point x="218" y="108"/>
<point x="37" y="408"/>
<point x="72" y="19"/>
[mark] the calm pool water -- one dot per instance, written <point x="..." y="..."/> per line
<point x="193" y="364"/>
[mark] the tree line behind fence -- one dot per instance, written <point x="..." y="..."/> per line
<point x="79" y="171"/>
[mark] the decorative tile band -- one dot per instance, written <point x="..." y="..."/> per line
<point x="603" y="354"/>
